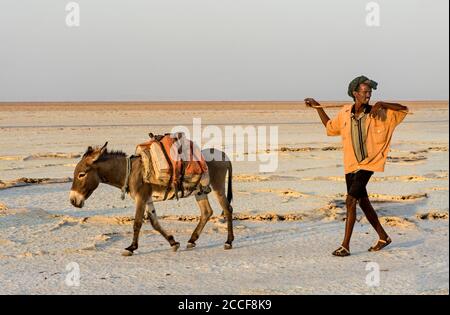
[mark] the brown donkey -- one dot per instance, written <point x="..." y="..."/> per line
<point x="116" y="169"/>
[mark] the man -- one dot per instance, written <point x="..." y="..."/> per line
<point x="366" y="133"/>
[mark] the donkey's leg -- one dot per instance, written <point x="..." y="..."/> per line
<point x="151" y="212"/>
<point x="138" y="218"/>
<point x="206" y="213"/>
<point x="228" y="210"/>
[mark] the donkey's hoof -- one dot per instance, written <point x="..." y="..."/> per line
<point x="190" y="245"/>
<point x="227" y="246"/>
<point x="127" y="253"/>
<point x="175" y="246"/>
<point x="222" y="220"/>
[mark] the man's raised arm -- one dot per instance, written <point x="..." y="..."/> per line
<point x="310" y="102"/>
<point x="392" y="106"/>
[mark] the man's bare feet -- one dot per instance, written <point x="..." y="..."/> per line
<point x="341" y="252"/>
<point x="380" y="244"/>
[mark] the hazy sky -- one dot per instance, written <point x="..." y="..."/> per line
<point x="153" y="50"/>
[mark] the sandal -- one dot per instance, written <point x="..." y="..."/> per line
<point x="380" y="245"/>
<point x="341" y="252"/>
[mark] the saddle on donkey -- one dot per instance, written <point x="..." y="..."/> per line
<point x="176" y="163"/>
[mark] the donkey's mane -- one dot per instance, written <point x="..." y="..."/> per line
<point x="114" y="153"/>
<point x="106" y="154"/>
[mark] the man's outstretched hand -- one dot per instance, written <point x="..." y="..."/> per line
<point x="310" y="102"/>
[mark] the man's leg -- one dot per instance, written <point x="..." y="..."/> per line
<point x="350" y="203"/>
<point x="356" y="188"/>
<point x="372" y="217"/>
<point x="384" y="239"/>
<point x="344" y="250"/>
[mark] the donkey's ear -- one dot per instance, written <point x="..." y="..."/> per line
<point x="88" y="151"/>
<point x="99" y="153"/>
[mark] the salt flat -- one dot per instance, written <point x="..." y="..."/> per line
<point x="287" y="222"/>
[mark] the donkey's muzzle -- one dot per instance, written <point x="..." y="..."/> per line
<point x="76" y="199"/>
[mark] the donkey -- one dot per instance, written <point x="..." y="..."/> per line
<point x="126" y="173"/>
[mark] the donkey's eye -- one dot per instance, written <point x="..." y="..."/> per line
<point x="81" y="175"/>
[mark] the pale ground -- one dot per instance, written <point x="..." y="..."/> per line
<point x="40" y="233"/>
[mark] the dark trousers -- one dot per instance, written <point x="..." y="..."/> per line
<point x="357" y="182"/>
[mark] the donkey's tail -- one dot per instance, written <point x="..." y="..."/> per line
<point x="230" y="182"/>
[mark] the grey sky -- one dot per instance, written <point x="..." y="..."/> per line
<point x="153" y="50"/>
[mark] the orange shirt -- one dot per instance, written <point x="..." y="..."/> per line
<point x="379" y="134"/>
